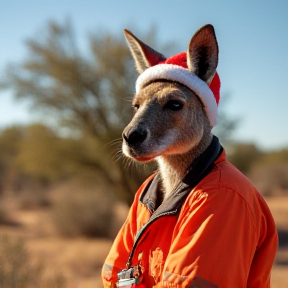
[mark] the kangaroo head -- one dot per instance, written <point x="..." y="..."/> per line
<point x="169" y="119"/>
<point x="174" y="114"/>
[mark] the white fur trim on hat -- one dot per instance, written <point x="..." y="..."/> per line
<point x="183" y="76"/>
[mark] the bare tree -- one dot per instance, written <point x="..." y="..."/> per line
<point x="86" y="95"/>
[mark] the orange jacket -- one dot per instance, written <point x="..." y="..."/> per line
<point x="222" y="235"/>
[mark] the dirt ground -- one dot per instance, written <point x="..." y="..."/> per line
<point x="79" y="260"/>
<point x="279" y="209"/>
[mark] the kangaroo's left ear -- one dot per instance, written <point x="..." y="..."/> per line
<point x="202" y="54"/>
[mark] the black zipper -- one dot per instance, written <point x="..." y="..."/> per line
<point x="141" y="232"/>
<point x="174" y="202"/>
<point x="152" y="219"/>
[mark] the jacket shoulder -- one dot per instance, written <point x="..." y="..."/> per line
<point x="226" y="175"/>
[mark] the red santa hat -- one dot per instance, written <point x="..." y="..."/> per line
<point x="175" y="69"/>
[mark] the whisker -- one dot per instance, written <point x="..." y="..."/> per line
<point x="127" y="162"/>
<point x="117" y="156"/>
<point x="113" y="142"/>
<point x="127" y="100"/>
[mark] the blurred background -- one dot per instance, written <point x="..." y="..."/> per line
<point x="66" y="84"/>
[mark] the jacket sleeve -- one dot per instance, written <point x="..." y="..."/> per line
<point x="213" y="243"/>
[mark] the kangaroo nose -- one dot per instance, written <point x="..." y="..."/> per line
<point x="135" y="136"/>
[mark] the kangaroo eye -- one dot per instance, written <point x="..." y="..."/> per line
<point x="136" y="107"/>
<point x="173" y="105"/>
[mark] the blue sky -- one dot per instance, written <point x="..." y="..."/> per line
<point x="252" y="38"/>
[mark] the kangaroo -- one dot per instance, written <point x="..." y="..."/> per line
<point x="170" y="124"/>
<point x="197" y="221"/>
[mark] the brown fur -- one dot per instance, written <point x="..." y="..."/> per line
<point x="172" y="138"/>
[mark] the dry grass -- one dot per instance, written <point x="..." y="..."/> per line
<point x="79" y="260"/>
<point x="279" y="209"/>
<point x="21" y="269"/>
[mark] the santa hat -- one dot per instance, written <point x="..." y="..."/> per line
<point x="175" y="69"/>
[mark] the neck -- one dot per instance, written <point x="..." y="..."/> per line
<point x="174" y="167"/>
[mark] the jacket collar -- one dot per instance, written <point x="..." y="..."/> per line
<point x="198" y="169"/>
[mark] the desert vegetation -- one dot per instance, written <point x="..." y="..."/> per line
<point x="65" y="187"/>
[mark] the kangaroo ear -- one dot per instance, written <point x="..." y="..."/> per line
<point x="143" y="55"/>
<point x="202" y="55"/>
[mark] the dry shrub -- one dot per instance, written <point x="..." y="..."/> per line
<point x="33" y="199"/>
<point x="27" y="193"/>
<point x="6" y="215"/>
<point x="19" y="270"/>
<point x="270" y="179"/>
<point x="83" y="210"/>
<point x="3" y="215"/>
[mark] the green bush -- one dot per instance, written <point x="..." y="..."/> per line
<point x="243" y="156"/>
